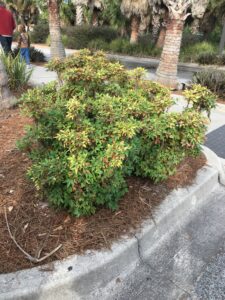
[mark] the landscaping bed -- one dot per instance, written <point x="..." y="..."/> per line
<point x="39" y="229"/>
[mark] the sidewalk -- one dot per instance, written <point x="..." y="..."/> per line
<point x="134" y="61"/>
<point x="185" y="70"/>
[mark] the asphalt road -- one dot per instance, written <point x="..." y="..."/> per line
<point x="189" y="265"/>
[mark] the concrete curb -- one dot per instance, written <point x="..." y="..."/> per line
<point x="216" y="162"/>
<point x="88" y="276"/>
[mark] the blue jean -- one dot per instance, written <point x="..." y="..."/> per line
<point x="25" y="54"/>
<point x="6" y="43"/>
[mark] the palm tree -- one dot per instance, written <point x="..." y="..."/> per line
<point x="26" y="11"/>
<point x="218" y="9"/>
<point x="79" y="6"/>
<point x="167" y="69"/>
<point x="136" y="11"/>
<point x="198" y="9"/>
<point x="57" y="48"/>
<point x="6" y="99"/>
<point x="95" y="6"/>
<point x="222" y="40"/>
<point x="113" y="16"/>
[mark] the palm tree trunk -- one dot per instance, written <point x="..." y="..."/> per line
<point x="6" y="99"/>
<point x="79" y="15"/>
<point x="222" y="40"/>
<point x="161" y="38"/>
<point x="95" y="19"/>
<point x="167" y="69"/>
<point x="57" y="48"/>
<point x="155" y="27"/>
<point x="195" y="26"/>
<point x="135" y="24"/>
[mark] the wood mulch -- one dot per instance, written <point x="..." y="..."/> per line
<point x="39" y="229"/>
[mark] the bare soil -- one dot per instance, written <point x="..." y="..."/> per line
<point x="39" y="228"/>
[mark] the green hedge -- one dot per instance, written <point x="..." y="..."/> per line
<point x="40" y="32"/>
<point x="191" y="53"/>
<point x="102" y="124"/>
<point x="78" y="37"/>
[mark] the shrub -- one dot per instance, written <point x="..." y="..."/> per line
<point x="221" y="59"/>
<point x="40" y="32"/>
<point x="35" y="55"/>
<point x="189" y="38"/>
<point x="190" y="53"/>
<point x="144" y="47"/>
<point x="207" y="58"/>
<point x="214" y="80"/>
<point x="98" y="44"/>
<point x="119" y="45"/>
<point x="215" y="35"/>
<point x="81" y="36"/>
<point x="101" y="124"/>
<point x="18" y="75"/>
<point x="200" y="98"/>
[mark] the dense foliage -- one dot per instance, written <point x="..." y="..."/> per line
<point x="40" y="32"/>
<point x="123" y="46"/>
<point x="102" y="124"/>
<point x="209" y="58"/>
<point x="214" y="80"/>
<point x="78" y="37"/>
<point x="200" y="98"/>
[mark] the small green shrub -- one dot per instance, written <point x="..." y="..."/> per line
<point x="80" y="36"/>
<point x="189" y="38"/>
<point x="200" y="98"/>
<point x="214" y="80"/>
<point x="215" y="35"/>
<point x="207" y="58"/>
<point x="221" y="59"/>
<point x="211" y="58"/>
<point x="98" y="44"/>
<point x="35" y="55"/>
<point x="102" y="124"/>
<point x="190" y="53"/>
<point x="18" y="75"/>
<point x="119" y="45"/>
<point x="142" y="48"/>
<point x="40" y="32"/>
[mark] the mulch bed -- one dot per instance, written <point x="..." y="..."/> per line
<point x="39" y="228"/>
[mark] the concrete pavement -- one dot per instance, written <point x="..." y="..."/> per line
<point x="190" y="264"/>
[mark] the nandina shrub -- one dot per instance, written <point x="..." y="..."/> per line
<point x="101" y="124"/>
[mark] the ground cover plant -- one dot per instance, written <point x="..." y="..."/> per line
<point x="102" y="124"/>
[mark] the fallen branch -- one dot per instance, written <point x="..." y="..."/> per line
<point x="28" y="256"/>
<point x="150" y="206"/>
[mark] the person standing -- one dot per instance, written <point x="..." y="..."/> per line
<point x="7" y="26"/>
<point x="24" y="44"/>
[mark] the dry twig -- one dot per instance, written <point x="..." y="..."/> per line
<point x="28" y="256"/>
